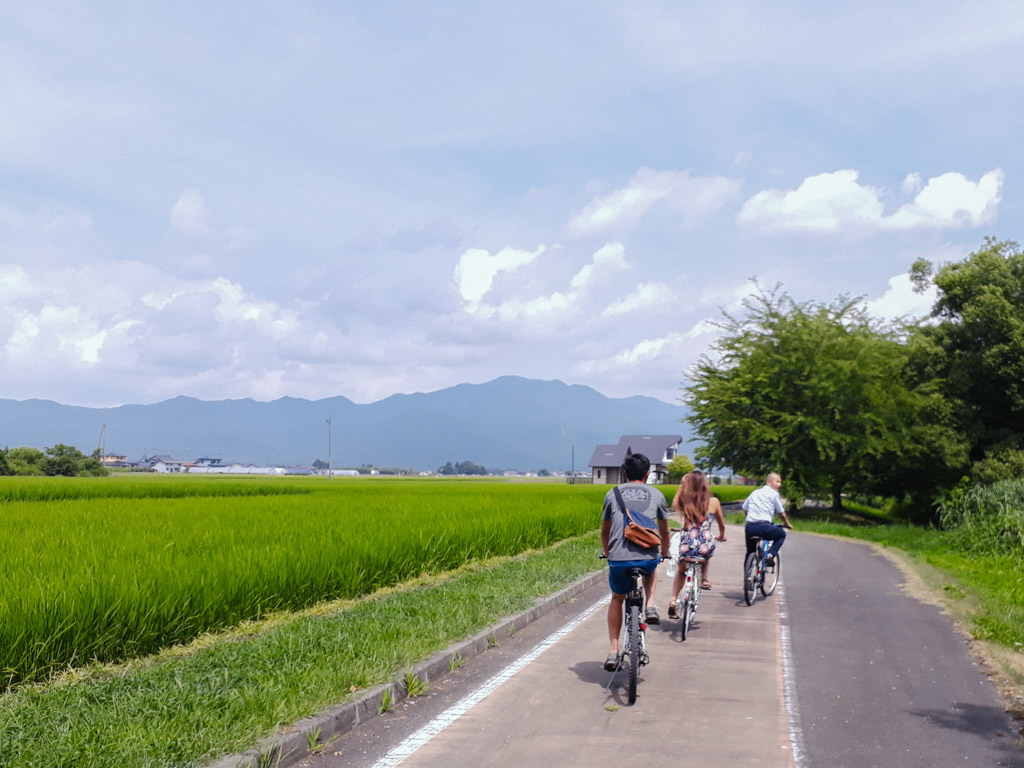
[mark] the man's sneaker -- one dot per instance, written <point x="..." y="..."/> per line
<point x="611" y="663"/>
<point x="769" y="562"/>
<point x="651" y="615"/>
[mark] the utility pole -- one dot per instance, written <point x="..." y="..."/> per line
<point x="330" y="453"/>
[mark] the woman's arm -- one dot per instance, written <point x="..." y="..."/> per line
<point x="716" y="510"/>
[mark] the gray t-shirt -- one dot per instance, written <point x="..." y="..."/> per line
<point x="638" y="497"/>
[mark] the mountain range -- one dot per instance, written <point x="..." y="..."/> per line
<point x="509" y="423"/>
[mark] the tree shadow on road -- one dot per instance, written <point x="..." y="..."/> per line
<point x="986" y="721"/>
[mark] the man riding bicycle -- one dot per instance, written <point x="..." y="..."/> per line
<point x="622" y="553"/>
<point x="761" y="507"/>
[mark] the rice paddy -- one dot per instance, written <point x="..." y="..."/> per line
<point x="108" y="569"/>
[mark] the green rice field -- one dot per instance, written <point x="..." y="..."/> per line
<point x="107" y="569"/>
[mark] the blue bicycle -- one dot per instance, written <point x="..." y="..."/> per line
<point x="757" y="573"/>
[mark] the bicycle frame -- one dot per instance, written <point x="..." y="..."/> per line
<point x="633" y="650"/>
<point x="690" y="593"/>
<point x="755" y="568"/>
<point x="635" y="599"/>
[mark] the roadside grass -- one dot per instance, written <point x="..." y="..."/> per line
<point x="224" y="693"/>
<point x="730" y="493"/>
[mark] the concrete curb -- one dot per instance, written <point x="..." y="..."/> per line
<point x="291" y="744"/>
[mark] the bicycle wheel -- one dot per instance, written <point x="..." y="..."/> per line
<point x="771" y="577"/>
<point x="633" y="643"/>
<point x="686" y="614"/>
<point x="750" y="578"/>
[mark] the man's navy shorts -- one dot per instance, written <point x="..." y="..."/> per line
<point x="618" y="573"/>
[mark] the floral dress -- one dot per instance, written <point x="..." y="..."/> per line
<point x="698" y="540"/>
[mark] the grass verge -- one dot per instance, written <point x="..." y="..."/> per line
<point x="221" y="695"/>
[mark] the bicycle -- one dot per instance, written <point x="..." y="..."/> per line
<point x="757" y="574"/>
<point x="633" y="653"/>
<point x="690" y="594"/>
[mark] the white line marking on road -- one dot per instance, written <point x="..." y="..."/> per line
<point x="400" y="752"/>
<point x="796" y="734"/>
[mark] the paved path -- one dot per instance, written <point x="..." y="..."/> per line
<point x="882" y="679"/>
<point x="838" y="669"/>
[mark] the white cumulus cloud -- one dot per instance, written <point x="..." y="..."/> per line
<point x="607" y="261"/>
<point x="694" y="197"/>
<point x="951" y="200"/>
<point x="834" y="202"/>
<point x="609" y="258"/>
<point x="477" y="268"/>
<point x="900" y="300"/>
<point x="646" y="296"/>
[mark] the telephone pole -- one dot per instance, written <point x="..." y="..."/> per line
<point x="330" y="453"/>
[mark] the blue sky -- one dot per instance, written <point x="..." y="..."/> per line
<point x="260" y="199"/>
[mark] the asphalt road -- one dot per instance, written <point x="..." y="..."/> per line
<point x="882" y="679"/>
<point x="839" y="668"/>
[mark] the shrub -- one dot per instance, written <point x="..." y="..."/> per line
<point x="990" y="517"/>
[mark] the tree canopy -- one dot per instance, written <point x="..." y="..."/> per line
<point x="973" y="348"/>
<point x="60" y="460"/>
<point x="462" y="468"/>
<point x="679" y="466"/>
<point x="816" y="392"/>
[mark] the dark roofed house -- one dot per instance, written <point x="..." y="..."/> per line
<point x="606" y="463"/>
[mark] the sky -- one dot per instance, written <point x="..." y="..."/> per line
<point x="307" y="199"/>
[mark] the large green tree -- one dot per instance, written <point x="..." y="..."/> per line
<point x="679" y="466"/>
<point x="974" y="348"/>
<point x="68" y="461"/>
<point x="816" y="392"/>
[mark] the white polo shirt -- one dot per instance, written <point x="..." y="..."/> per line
<point x="762" y="505"/>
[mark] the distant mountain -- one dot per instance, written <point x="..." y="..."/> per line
<point x="508" y="423"/>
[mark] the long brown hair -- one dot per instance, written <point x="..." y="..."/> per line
<point x="692" y="499"/>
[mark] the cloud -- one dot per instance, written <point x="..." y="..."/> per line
<point x="742" y="158"/>
<point x="901" y="301"/>
<point x="645" y="296"/>
<point x="75" y="323"/>
<point x="607" y="261"/>
<point x="724" y="296"/>
<point x="189" y="214"/>
<point x="834" y="202"/>
<point x="609" y="258"/>
<point x="190" y="221"/>
<point x="476" y="270"/>
<point x="951" y="200"/>
<point x="694" y="198"/>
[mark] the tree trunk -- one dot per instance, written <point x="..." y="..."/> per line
<point x="837" y="495"/>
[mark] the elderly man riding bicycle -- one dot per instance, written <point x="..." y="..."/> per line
<point x="761" y="507"/>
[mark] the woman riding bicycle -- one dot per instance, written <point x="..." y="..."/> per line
<point x="695" y="506"/>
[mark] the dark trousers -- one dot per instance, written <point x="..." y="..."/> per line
<point x="774" y="533"/>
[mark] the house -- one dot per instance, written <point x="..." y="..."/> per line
<point x="606" y="463"/>
<point x="162" y="464"/>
